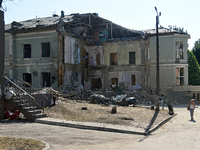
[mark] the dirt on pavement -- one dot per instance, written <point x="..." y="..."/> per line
<point x="84" y="111"/>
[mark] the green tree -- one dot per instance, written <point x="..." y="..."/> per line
<point x="193" y="69"/>
<point x="196" y="50"/>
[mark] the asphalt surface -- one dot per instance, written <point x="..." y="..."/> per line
<point x="179" y="133"/>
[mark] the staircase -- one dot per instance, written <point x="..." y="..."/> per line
<point x="23" y="101"/>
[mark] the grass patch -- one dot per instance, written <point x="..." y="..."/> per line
<point x="12" y="143"/>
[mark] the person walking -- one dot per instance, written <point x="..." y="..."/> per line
<point x="191" y="107"/>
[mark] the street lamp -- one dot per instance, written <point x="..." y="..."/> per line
<point x="2" y="42"/>
<point x="157" y="61"/>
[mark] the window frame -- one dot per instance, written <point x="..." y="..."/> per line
<point x="112" y="62"/>
<point x="180" y="76"/>
<point x="48" y="51"/>
<point x="179" y="50"/>
<point x="133" y="81"/>
<point x="114" y="80"/>
<point x="132" y="58"/>
<point x="26" y="51"/>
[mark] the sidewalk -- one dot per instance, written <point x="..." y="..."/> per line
<point x="179" y="133"/>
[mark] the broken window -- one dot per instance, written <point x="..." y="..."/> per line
<point x="179" y="50"/>
<point x="179" y="76"/>
<point x="132" y="58"/>
<point x="133" y="79"/>
<point x="113" y="58"/>
<point x="46" y="49"/>
<point x="96" y="83"/>
<point x="46" y="81"/>
<point x="27" y="50"/>
<point x="77" y="54"/>
<point x="114" y="81"/>
<point x="97" y="59"/>
<point x="27" y="78"/>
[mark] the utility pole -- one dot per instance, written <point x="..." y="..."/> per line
<point x="2" y="42"/>
<point x="157" y="61"/>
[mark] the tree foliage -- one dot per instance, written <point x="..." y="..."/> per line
<point x="193" y="69"/>
<point x="179" y="29"/>
<point x="1" y="3"/>
<point x="196" y="50"/>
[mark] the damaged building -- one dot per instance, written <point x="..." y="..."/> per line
<point x="85" y="49"/>
<point x="76" y="49"/>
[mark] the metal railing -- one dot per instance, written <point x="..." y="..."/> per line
<point x="31" y="90"/>
<point x="23" y="96"/>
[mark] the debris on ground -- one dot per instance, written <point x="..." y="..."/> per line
<point x="114" y="110"/>
<point x="75" y="92"/>
<point x="48" y="90"/>
<point x="114" y="97"/>
<point x="12" y="115"/>
<point x="97" y="98"/>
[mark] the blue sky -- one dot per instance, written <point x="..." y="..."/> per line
<point x="133" y="14"/>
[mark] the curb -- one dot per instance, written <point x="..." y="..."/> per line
<point x="47" y="147"/>
<point x="147" y="132"/>
<point x="88" y="127"/>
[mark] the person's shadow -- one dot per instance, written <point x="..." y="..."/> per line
<point x="192" y="120"/>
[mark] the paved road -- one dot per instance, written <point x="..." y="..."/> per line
<point x="179" y="133"/>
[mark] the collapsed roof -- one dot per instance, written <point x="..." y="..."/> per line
<point x="90" y="20"/>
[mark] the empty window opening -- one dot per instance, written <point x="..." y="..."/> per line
<point x="132" y="58"/>
<point x="179" y="76"/>
<point x="46" y="81"/>
<point x="76" y="76"/>
<point x="28" y="79"/>
<point x="27" y="50"/>
<point x="197" y="96"/>
<point x="96" y="83"/>
<point x="97" y="59"/>
<point x="113" y="58"/>
<point x="179" y="50"/>
<point x="77" y="54"/>
<point x="114" y="81"/>
<point x="194" y="96"/>
<point x="133" y="79"/>
<point x="46" y="49"/>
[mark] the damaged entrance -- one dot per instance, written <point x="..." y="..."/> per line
<point x="46" y="79"/>
<point x="27" y="78"/>
<point x="96" y="83"/>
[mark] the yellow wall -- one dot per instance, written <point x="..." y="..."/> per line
<point x="122" y="49"/>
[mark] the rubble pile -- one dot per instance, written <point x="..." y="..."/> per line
<point x="48" y="90"/>
<point x="142" y="96"/>
<point x="114" y="97"/>
<point x="75" y="92"/>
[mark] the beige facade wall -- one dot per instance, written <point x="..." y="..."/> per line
<point x="124" y="71"/>
<point x="122" y="49"/>
<point x="168" y="60"/>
